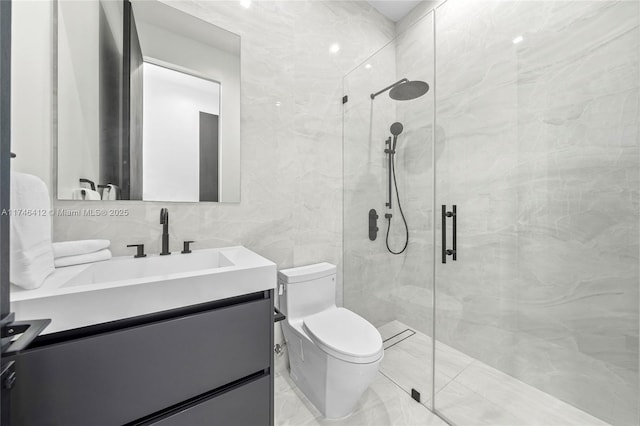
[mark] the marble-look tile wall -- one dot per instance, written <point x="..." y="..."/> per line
<point x="291" y="125"/>
<point x="540" y="151"/>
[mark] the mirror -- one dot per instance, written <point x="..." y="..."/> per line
<point x="148" y="104"/>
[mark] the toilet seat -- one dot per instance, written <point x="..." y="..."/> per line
<point x="344" y="335"/>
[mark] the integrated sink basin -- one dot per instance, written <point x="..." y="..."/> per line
<point x="125" y="287"/>
<point x="129" y="268"/>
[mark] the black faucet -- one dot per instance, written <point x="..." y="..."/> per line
<point x="164" y="221"/>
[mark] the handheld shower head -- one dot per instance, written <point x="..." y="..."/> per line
<point x="396" y="129"/>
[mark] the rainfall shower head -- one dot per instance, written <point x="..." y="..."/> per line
<point x="409" y="90"/>
<point x="404" y="90"/>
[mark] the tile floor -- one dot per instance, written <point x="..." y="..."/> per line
<point x="468" y="392"/>
<point x="384" y="403"/>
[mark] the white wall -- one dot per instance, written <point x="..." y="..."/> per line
<point x="172" y="102"/>
<point x="31" y="88"/>
<point x="214" y="64"/>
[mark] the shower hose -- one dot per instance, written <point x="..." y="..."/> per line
<point x="406" y="227"/>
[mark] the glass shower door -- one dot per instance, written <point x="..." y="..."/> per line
<point x="388" y="179"/>
<point x="537" y="166"/>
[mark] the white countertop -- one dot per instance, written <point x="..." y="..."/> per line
<point x="125" y="287"/>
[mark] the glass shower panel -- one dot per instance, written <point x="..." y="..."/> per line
<point x="537" y="124"/>
<point x="392" y="291"/>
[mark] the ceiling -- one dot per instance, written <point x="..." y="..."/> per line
<point x="394" y="9"/>
<point x="174" y="21"/>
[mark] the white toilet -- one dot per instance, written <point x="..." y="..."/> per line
<point x="334" y="354"/>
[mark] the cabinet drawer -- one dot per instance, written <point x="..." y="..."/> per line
<point x="118" y="377"/>
<point x="247" y="405"/>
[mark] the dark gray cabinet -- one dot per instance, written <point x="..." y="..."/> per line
<point x="211" y="362"/>
<point x="242" y="406"/>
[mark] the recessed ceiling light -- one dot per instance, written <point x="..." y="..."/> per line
<point x="245" y="3"/>
<point x="368" y="66"/>
<point x="518" y="39"/>
<point x="278" y="103"/>
<point x="334" y="48"/>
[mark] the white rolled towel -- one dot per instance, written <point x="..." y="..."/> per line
<point x="97" y="256"/>
<point x="85" y="194"/>
<point x="110" y="192"/>
<point x="76" y="248"/>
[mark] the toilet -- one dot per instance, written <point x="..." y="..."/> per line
<point x="334" y="354"/>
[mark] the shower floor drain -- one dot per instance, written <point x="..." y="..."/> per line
<point x="397" y="338"/>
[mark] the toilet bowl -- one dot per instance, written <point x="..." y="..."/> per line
<point x="334" y="354"/>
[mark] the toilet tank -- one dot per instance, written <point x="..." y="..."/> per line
<point x="307" y="289"/>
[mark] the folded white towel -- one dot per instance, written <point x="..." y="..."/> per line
<point x="75" y="248"/>
<point x="97" y="256"/>
<point x="85" y="194"/>
<point x="31" y="254"/>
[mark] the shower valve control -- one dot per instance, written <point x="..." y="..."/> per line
<point x="373" y="224"/>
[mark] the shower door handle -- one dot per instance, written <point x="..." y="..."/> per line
<point x="453" y="251"/>
<point x="443" y="218"/>
<point x="454" y="216"/>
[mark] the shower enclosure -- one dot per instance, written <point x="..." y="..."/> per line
<point x="518" y="174"/>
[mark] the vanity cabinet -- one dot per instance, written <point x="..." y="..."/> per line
<point x="244" y="405"/>
<point x="206" y="364"/>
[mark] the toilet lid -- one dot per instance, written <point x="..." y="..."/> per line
<point x="345" y="335"/>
